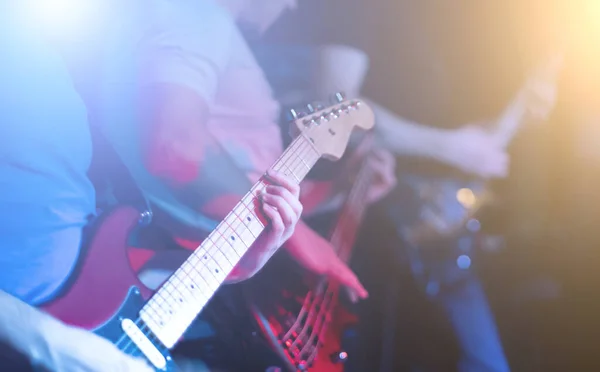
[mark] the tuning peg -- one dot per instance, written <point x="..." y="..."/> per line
<point x="339" y="97"/>
<point x="294" y="114"/>
<point x="318" y="105"/>
<point x="310" y="108"/>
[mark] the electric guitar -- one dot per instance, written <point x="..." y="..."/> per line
<point x="304" y="329"/>
<point x="438" y="210"/>
<point x="106" y="296"/>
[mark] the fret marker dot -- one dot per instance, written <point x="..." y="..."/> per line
<point x="180" y="300"/>
<point x="206" y="257"/>
<point x="232" y="237"/>
<point x="216" y="270"/>
<point x="192" y="286"/>
<point x="249" y="219"/>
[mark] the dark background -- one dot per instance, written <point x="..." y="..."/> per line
<point x="446" y="63"/>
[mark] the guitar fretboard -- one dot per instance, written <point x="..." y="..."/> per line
<point x="511" y="119"/>
<point x="350" y="217"/>
<point x="173" y="308"/>
<point x="308" y="330"/>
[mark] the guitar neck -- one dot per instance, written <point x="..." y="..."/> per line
<point x="518" y="112"/>
<point x="343" y="234"/>
<point x="177" y="303"/>
<point x="512" y="119"/>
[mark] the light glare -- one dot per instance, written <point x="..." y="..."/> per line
<point x="64" y="19"/>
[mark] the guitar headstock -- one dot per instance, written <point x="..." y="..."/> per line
<point x="329" y="128"/>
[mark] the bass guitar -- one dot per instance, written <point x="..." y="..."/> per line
<point x="106" y="296"/>
<point x="304" y="329"/>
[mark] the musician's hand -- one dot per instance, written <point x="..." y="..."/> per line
<point x="383" y="165"/>
<point x="281" y="205"/>
<point x="316" y="254"/>
<point x="473" y="150"/>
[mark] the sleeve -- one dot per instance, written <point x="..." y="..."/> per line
<point x="187" y="42"/>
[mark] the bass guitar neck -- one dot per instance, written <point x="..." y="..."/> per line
<point x="305" y="328"/>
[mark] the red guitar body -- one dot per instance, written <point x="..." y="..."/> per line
<point x="327" y="359"/>
<point x="104" y="274"/>
<point x="277" y="319"/>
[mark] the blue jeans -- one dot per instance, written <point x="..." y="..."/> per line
<point x="471" y="318"/>
<point x="457" y="291"/>
<point x="407" y="327"/>
<point x="459" y="295"/>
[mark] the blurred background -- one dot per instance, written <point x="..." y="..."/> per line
<point x="444" y="63"/>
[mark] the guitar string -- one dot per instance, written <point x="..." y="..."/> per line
<point x="325" y="299"/>
<point x="318" y="318"/>
<point x="343" y="217"/>
<point x="328" y="297"/>
<point x="306" y="317"/>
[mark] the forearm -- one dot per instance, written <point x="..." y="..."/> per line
<point x="405" y="138"/>
<point x="249" y="265"/>
<point x="320" y="196"/>
<point x="255" y="260"/>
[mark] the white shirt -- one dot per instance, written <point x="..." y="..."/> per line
<point x="198" y="45"/>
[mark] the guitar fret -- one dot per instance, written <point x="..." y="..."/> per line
<point x="214" y="271"/>
<point x="175" y="290"/>
<point x="225" y="235"/>
<point x="222" y="261"/>
<point x="245" y="234"/>
<point x="305" y="149"/>
<point x="194" y="279"/>
<point x="251" y="215"/>
<point x="289" y="165"/>
<point x="191" y="286"/>
<point x="293" y="174"/>
<point x="232" y="235"/>
<point x="209" y="280"/>
<point x="187" y="282"/>
<point x="305" y="164"/>
<point x="214" y="268"/>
